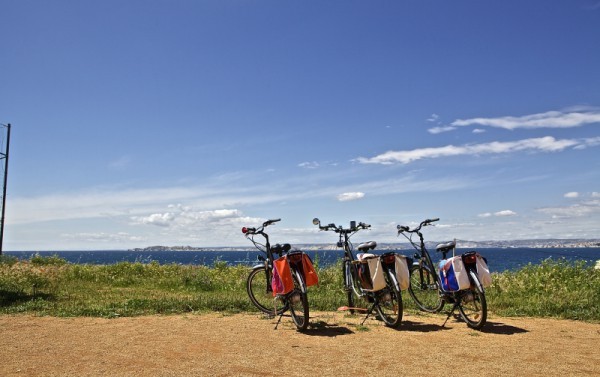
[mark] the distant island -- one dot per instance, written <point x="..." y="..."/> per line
<point x="463" y="244"/>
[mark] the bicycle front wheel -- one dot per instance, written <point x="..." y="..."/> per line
<point x="472" y="305"/>
<point x="389" y="306"/>
<point x="424" y="289"/>
<point x="258" y="287"/>
<point x="357" y="300"/>
<point x="298" y="302"/>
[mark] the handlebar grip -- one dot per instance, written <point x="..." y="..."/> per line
<point x="272" y="221"/>
<point x="402" y="228"/>
<point x="364" y="226"/>
<point x="429" y="221"/>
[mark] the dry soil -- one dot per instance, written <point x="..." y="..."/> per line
<point x="336" y="345"/>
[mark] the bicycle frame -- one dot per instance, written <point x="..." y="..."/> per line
<point x="261" y="293"/>
<point x="388" y="298"/>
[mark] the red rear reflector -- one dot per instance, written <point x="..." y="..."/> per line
<point x="470" y="259"/>
<point x="389" y="259"/>
<point x="244" y="230"/>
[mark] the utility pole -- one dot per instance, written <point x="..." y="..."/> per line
<point x="4" y="156"/>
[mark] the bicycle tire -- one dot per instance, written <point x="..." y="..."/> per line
<point x="473" y="305"/>
<point x="260" y="296"/>
<point x="298" y="303"/>
<point x="389" y="306"/>
<point x="424" y="289"/>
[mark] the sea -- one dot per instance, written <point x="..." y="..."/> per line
<point x="499" y="259"/>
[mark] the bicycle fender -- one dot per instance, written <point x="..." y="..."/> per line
<point x="393" y="279"/>
<point x="301" y="281"/>
<point x="475" y="281"/>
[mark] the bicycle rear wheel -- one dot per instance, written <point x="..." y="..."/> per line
<point x="472" y="305"/>
<point x="424" y="289"/>
<point x="298" y="302"/>
<point x="260" y="295"/>
<point x="389" y="306"/>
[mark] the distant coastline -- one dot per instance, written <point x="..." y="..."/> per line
<point x="544" y="243"/>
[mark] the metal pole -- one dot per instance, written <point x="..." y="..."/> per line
<point x="4" y="187"/>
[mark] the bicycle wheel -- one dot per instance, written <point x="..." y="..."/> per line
<point x="389" y="306"/>
<point x="260" y="295"/>
<point x="424" y="289"/>
<point x="357" y="300"/>
<point x="298" y="302"/>
<point x="472" y="305"/>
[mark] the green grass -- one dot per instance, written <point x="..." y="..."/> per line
<point x="51" y="286"/>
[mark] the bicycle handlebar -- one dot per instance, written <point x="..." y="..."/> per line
<point x="404" y="228"/>
<point x="340" y="229"/>
<point x="259" y="230"/>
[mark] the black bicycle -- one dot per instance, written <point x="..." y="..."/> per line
<point x="387" y="301"/>
<point x="259" y="283"/>
<point x="426" y="286"/>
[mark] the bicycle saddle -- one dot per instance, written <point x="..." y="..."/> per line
<point x="445" y="247"/>
<point x="366" y="246"/>
<point x="279" y="249"/>
<point x="363" y="256"/>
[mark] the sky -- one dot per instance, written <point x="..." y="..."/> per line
<point x="155" y="122"/>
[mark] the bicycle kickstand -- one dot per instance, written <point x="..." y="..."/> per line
<point x="451" y="312"/>
<point x="368" y="313"/>
<point x="275" y="312"/>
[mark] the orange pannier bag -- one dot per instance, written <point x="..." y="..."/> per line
<point x="282" y="281"/>
<point x="310" y="275"/>
<point x="303" y="264"/>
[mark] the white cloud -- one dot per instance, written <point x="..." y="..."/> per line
<point x="550" y="119"/>
<point x="478" y="131"/>
<point x="102" y="237"/>
<point x="309" y="165"/>
<point x="186" y="216"/>
<point x="440" y="129"/>
<point x="595" y="194"/>
<point x="433" y="118"/>
<point x="347" y="196"/>
<point x="505" y="213"/>
<point x="543" y="144"/>
<point x="572" y="195"/>
<point x="120" y="163"/>
<point x="158" y="219"/>
<point x="576" y="210"/>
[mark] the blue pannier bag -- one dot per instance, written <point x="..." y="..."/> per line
<point x="453" y="274"/>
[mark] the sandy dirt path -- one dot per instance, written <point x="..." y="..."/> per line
<point x="247" y="345"/>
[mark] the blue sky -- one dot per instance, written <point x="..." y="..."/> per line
<point x="139" y="123"/>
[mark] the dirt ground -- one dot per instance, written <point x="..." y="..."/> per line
<point x="248" y="345"/>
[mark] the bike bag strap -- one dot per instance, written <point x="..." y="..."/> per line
<point x="366" y="246"/>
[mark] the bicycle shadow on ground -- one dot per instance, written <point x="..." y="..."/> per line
<point x="420" y="326"/>
<point x="322" y="328"/>
<point x="502" y="329"/>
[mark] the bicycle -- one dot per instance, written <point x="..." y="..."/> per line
<point x="259" y="282"/>
<point x="387" y="302"/>
<point x="426" y="286"/>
